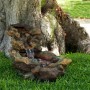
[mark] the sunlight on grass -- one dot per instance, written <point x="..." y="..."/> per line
<point x="76" y="8"/>
<point x="66" y="1"/>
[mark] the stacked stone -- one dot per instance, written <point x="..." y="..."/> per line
<point x="29" y="60"/>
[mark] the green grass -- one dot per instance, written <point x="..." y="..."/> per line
<point x="77" y="76"/>
<point x="77" y="9"/>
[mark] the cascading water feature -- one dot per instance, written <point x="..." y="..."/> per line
<point x="30" y="60"/>
<point x="30" y="53"/>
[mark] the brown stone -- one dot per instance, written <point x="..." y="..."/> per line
<point x="46" y="55"/>
<point x="30" y="45"/>
<point x="35" y="31"/>
<point x="56" y="65"/>
<point x="18" y="58"/>
<point x="25" y="60"/>
<point x="17" y="44"/>
<point x="65" y="62"/>
<point x="35" y="70"/>
<point x="13" y="32"/>
<point x="25" y="67"/>
<point x="21" y="67"/>
<point x="14" y="54"/>
<point x="49" y="73"/>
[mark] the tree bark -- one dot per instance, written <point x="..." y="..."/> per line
<point x="30" y="14"/>
<point x="26" y="12"/>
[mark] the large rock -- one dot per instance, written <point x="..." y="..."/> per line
<point x="49" y="73"/>
<point x="48" y="56"/>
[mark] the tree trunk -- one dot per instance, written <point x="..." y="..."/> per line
<point x="33" y="16"/>
<point x="28" y="14"/>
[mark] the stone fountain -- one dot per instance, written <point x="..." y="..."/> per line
<point x="29" y="59"/>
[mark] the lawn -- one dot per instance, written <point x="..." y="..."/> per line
<point x="77" y="8"/>
<point x="77" y="76"/>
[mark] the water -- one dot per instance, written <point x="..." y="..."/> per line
<point x="30" y="53"/>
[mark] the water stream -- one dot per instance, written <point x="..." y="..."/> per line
<point x="30" y="53"/>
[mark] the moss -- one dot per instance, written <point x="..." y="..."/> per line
<point x="52" y="12"/>
<point x="48" y="6"/>
<point x="51" y="18"/>
<point x="43" y="2"/>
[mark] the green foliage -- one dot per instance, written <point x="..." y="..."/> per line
<point x="43" y="2"/>
<point x="77" y="76"/>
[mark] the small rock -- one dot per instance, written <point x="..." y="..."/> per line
<point x="25" y="60"/>
<point x="28" y="75"/>
<point x="35" y="31"/>
<point x="46" y="55"/>
<point x="65" y="62"/>
<point x="35" y="70"/>
<point x="22" y="67"/>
